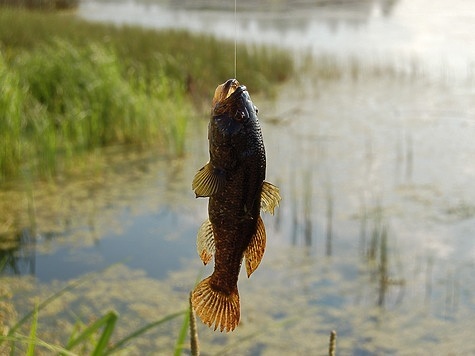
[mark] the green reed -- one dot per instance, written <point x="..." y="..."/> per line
<point x="198" y="62"/>
<point x="69" y="86"/>
<point x="62" y="99"/>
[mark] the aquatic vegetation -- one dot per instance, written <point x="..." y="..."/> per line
<point x="61" y="100"/>
<point x="92" y="338"/>
<point x="328" y="67"/>
<point x="41" y="4"/>
<point x="11" y="105"/>
<point x="69" y="87"/>
<point x="183" y="57"/>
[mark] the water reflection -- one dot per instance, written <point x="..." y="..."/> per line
<point x="329" y="226"/>
<point x="85" y="224"/>
<point x="18" y="253"/>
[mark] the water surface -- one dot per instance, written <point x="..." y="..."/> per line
<point x="374" y="237"/>
<point x="434" y="34"/>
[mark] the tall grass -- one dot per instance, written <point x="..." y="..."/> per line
<point x="41" y="4"/>
<point x="68" y="86"/>
<point x="198" y="62"/>
<point x="11" y="100"/>
<point x="60" y="99"/>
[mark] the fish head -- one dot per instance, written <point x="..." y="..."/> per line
<point x="223" y="91"/>
<point x="232" y="101"/>
<point x="233" y="130"/>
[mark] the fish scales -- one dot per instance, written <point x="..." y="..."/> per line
<point x="233" y="179"/>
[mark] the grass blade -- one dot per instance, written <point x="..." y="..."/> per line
<point x="180" y="342"/>
<point x="34" y="326"/>
<point x="108" y="321"/>
<point x="141" y="331"/>
<point x="18" y="338"/>
<point x="47" y="301"/>
<point x="76" y="329"/>
<point x="53" y="297"/>
<point x="106" y="334"/>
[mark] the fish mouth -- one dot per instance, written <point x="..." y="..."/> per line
<point x="225" y="90"/>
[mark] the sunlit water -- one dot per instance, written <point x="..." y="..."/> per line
<point x="437" y="35"/>
<point x="374" y="237"/>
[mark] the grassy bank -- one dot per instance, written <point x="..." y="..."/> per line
<point x="49" y="5"/>
<point x="69" y="86"/>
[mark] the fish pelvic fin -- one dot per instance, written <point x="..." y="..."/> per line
<point x="205" y="242"/>
<point x="208" y="181"/>
<point x="255" y="251"/>
<point x="270" y="197"/>
<point x="215" y="308"/>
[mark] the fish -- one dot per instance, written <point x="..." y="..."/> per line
<point x="234" y="181"/>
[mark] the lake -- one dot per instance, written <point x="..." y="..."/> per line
<point x="372" y="149"/>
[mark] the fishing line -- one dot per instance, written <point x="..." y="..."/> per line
<point x="235" y="39"/>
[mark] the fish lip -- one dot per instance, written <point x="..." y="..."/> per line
<point x="230" y="84"/>
<point x="234" y="95"/>
<point x="227" y="91"/>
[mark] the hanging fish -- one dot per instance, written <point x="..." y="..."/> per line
<point x="233" y="179"/>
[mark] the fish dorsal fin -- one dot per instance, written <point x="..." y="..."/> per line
<point x="270" y="197"/>
<point x="208" y="181"/>
<point x="205" y="242"/>
<point x="215" y="307"/>
<point x="256" y="248"/>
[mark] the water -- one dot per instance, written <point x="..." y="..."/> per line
<point x="434" y="34"/>
<point x="374" y="238"/>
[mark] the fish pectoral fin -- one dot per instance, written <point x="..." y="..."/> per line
<point x="256" y="248"/>
<point x="208" y="181"/>
<point x="270" y="197"/>
<point x="215" y="307"/>
<point x="205" y="242"/>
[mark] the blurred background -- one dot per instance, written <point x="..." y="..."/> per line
<point x="366" y="108"/>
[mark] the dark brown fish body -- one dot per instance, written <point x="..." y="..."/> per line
<point x="233" y="180"/>
<point x="237" y="148"/>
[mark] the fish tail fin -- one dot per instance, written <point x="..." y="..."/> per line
<point x="216" y="307"/>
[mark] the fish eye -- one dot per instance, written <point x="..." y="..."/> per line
<point x="256" y="109"/>
<point x="240" y="116"/>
